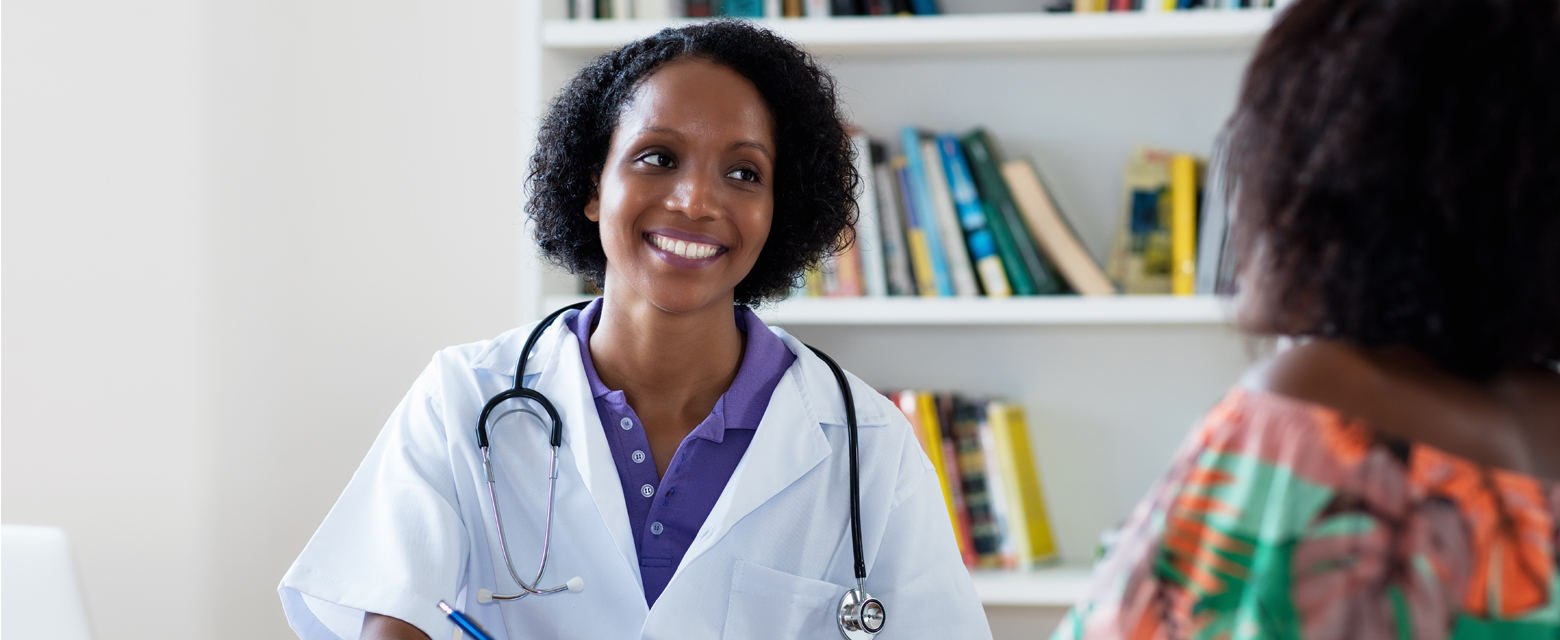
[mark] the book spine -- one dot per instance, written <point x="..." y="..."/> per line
<point x="622" y="9"/>
<point x="1042" y="272"/>
<point x="924" y="7"/>
<point x="1026" y="499"/>
<point x="740" y="8"/>
<point x="972" y="218"/>
<point x="653" y="9"/>
<point x="915" y="239"/>
<point x="697" y="9"/>
<point x="791" y="8"/>
<point x="996" y="488"/>
<point x="1214" y="222"/>
<point x="772" y="9"/>
<point x="816" y="8"/>
<point x="924" y="218"/>
<point x="582" y="10"/>
<point x="977" y="495"/>
<point x="847" y="274"/>
<point x="987" y="178"/>
<point x="896" y="255"/>
<point x="926" y="412"/>
<point x="947" y="220"/>
<point x="869" y="237"/>
<point x="1052" y="232"/>
<point x="1183" y="225"/>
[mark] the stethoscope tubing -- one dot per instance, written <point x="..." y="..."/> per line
<point x="520" y="392"/>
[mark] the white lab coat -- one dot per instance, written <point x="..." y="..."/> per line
<point x="414" y="525"/>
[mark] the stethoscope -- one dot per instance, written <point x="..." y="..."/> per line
<point x="860" y="615"/>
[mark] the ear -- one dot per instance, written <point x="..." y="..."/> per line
<point x="593" y="208"/>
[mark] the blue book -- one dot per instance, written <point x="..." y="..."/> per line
<point x="924" y="7"/>
<point x="972" y="218"/>
<point x="742" y="8"/>
<point x="925" y="218"/>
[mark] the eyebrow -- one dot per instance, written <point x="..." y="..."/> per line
<point x="736" y="145"/>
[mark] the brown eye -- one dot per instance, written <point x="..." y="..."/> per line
<point x="658" y="160"/>
<point x="744" y="174"/>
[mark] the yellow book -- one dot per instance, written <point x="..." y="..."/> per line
<point x="1028" y="523"/>
<point x="926" y="408"/>
<point x="1183" y="225"/>
<point x="921" y="262"/>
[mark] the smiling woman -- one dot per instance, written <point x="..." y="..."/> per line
<point x="706" y="469"/>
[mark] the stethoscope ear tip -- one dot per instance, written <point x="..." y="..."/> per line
<point x="574" y="584"/>
<point x="484" y="596"/>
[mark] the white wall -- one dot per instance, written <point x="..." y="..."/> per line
<point x="233" y="233"/>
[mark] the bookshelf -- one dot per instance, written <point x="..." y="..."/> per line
<point x="1111" y="385"/>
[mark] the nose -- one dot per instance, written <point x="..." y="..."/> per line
<point x="695" y="196"/>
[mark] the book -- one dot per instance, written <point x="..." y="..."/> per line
<point x="986" y="164"/>
<point x="739" y="8"/>
<point x="869" y="237"/>
<point x="972" y="217"/>
<point x="1028" y="522"/>
<point x="1183" y="224"/>
<point x="698" y="8"/>
<point x="947" y="221"/>
<point x="1052" y="232"/>
<point x="996" y="488"/>
<point x="1215" y="261"/>
<point x="816" y="8"/>
<point x="921" y="410"/>
<point x="896" y="255"/>
<point x="918" y="247"/>
<point x="622" y="9"/>
<point x="1140" y="254"/>
<point x="923" y="218"/>
<point x="843" y="277"/>
<point x="985" y="537"/>
<point x="582" y="10"/>
<point x="924" y="7"/>
<point x="791" y="8"/>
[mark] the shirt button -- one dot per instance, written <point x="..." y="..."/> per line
<point x="656" y="528"/>
<point x="638" y="456"/>
<point x="647" y="491"/>
<point x="627" y="424"/>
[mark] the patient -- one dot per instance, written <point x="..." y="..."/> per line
<point x="1397" y="475"/>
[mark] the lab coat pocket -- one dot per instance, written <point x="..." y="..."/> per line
<point x="766" y="603"/>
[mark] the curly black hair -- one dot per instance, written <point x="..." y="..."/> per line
<point x="814" y="179"/>
<point x="1398" y="170"/>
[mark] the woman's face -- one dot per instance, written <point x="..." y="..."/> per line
<point x="686" y="196"/>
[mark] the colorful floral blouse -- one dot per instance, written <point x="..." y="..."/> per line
<point x="1284" y="519"/>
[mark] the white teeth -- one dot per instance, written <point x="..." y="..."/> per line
<point x="684" y="249"/>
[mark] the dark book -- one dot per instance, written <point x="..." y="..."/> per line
<point x="694" y="8"/>
<point x="986" y="163"/>
<point x="984" y="534"/>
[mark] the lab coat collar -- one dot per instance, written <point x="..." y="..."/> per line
<point x="789" y="442"/>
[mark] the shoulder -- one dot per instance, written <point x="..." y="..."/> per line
<point x="1324" y="372"/>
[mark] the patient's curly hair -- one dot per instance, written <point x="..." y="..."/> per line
<point x="1398" y="169"/>
<point x="814" y="179"/>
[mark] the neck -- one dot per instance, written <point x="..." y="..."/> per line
<point x="681" y="361"/>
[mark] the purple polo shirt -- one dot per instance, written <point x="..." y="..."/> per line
<point x="666" y="513"/>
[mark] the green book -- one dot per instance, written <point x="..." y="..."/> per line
<point x="1022" y="260"/>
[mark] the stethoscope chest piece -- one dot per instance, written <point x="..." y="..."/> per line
<point x="861" y="615"/>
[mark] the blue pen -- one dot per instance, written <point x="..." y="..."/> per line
<point x="464" y="623"/>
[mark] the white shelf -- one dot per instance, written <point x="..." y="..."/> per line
<point x="969" y="33"/>
<point x="1042" y="310"/>
<point x="1048" y="587"/>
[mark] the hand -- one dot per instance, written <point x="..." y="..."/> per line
<point x="378" y="627"/>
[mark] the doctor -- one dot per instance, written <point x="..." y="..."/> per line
<point x="703" y="485"/>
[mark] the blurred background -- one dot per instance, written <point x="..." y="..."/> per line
<point x="234" y="233"/>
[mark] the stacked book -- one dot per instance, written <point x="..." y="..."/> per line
<point x="980" y="448"/>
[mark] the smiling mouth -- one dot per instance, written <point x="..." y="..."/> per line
<point x="683" y="248"/>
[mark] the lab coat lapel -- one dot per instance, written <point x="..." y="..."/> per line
<point x="789" y="442"/>
<point x="563" y="381"/>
